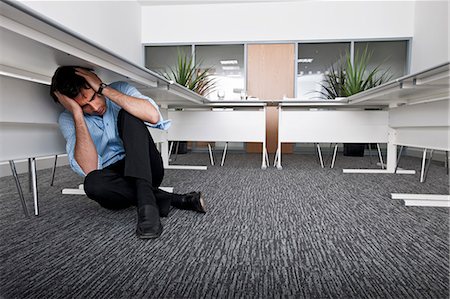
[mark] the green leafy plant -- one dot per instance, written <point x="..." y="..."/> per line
<point x="191" y="75"/>
<point x="352" y="78"/>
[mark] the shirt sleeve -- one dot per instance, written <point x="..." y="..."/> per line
<point x="67" y="127"/>
<point x="130" y="90"/>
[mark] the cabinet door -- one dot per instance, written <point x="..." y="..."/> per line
<point x="270" y="76"/>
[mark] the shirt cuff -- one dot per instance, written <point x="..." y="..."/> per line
<point x="162" y="124"/>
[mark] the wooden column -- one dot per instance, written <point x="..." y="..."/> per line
<point x="270" y="76"/>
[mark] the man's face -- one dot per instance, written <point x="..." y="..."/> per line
<point x="91" y="102"/>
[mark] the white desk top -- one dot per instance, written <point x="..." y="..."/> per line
<point x="33" y="47"/>
<point x="422" y="87"/>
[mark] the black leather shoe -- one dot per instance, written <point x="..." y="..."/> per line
<point x="191" y="201"/>
<point x="148" y="225"/>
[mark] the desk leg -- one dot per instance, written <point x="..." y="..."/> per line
<point x="224" y="153"/>
<point x="390" y="166"/>
<point x="35" y="190"/>
<point x="19" y="188"/>
<point x="30" y="179"/>
<point x="265" y="158"/>
<point x="422" y="170"/>
<point x="320" y="155"/>
<point x="380" y="155"/>
<point x="334" y="156"/>
<point x="278" y="158"/>
<point x="54" y="171"/>
<point x="165" y="153"/>
<point x="211" y="157"/>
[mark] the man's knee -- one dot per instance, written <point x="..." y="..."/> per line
<point x="93" y="184"/>
<point x="127" y="119"/>
<point x="129" y="125"/>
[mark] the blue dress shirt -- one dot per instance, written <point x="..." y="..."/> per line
<point x="103" y="130"/>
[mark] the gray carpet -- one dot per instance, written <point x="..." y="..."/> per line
<point x="303" y="232"/>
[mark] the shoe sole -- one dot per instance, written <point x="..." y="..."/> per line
<point x="148" y="236"/>
<point x="202" y="204"/>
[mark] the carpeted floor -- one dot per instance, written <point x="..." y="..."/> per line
<point x="302" y="232"/>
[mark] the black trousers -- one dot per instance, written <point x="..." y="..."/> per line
<point x="114" y="187"/>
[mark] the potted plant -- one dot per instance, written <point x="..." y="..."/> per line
<point x="192" y="76"/>
<point x="350" y="78"/>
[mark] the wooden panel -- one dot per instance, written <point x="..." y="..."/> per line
<point x="270" y="76"/>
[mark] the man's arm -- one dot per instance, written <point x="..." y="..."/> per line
<point x="140" y="108"/>
<point x="85" y="152"/>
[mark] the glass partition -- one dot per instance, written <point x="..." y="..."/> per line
<point x="227" y="67"/>
<point x="163" y="58"/>
<point x="389" y="55"/>
<point x="314" y="61"/>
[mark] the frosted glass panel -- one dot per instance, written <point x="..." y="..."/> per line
<point x="390" y="54"/>
<point x="314" y="61"/>
<point x="161" y="58"/>
<point x="227" y="66"/>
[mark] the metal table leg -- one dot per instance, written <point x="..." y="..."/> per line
<point x="19" y="188"/>
<point x="54" y="170"/>
<point x="35" y="190"/>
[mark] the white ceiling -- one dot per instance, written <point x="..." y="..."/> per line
<point x="193" y="2"/>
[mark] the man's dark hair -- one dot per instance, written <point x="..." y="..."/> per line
<point x="67" y="82"/>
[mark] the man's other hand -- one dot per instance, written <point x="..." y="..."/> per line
<point x="92" y="79"/>
<point x="68" y="103"/>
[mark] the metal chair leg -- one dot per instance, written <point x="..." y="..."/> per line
<point x="211" y="157"/>
<point x="224" y="153"/>
<point x="320" y="155"/>
<point x="54" y="170"/>
<point x="19" y="188"/>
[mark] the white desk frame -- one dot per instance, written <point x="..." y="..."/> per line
<point x="419" y="112"/>
<point x="243" y="123"/>
<point x="330" y="122"/>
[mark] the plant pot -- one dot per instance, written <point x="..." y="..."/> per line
<point x="354" y="149"/>
<point x="180" y="147"/>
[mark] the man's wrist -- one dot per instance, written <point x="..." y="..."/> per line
<point x="101" y="87"/>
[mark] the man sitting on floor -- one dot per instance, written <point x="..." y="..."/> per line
<point x="108" y="142"/>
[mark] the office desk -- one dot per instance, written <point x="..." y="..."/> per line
<point x="418" y="117"/>
<point x="329" y="121"/>
<point x="221" y="122"/>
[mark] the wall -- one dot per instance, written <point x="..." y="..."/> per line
<point x="115" y="25"/>
<point x="308" y="20"/>
<point x="430" y="45"/>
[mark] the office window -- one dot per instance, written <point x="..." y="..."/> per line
<point x="314" y="61"/>
<point x="161" y="58"/>
<point x="227" y="67"/>
<point x="391" y="55"/>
